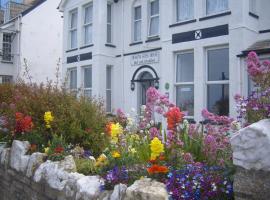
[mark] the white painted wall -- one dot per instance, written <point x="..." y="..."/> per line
<point x="243" y="32"/>
<point x="41" y="40"/>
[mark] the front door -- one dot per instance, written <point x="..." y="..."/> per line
<point x="145" y="82"/>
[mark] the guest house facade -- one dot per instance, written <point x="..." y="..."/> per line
<point x="192" y="50"/>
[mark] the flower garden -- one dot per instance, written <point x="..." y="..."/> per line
<point x="194" y="161"/>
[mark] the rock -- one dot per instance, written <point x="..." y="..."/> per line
<point x="18" y="159"/>
<point x="68" y="164"/>
<point x="251" y="146"/>
<point x="35" y="160"/>
<point x="71" y="185"/>
<point x="88" y="187"/>
<point x="119" y="192"/>
<point x="146" y="189"/>
<point x="4" y="156"/>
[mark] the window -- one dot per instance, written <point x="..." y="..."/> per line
<point x="87" y="81"/>
<point x="154" y="18"/>
<point x="184" y="10"/>
<point x="73" y="20"/>
<point x="88" y="24"/>
<point x="7" y="47"/>
<point x="218" y="81"/>
<point x="5" y="79"/>
<point x="185" y="82"/>
<point x="137" y="23"/>
<point x="73" y="79"/>
<point x="253" y="6"/>
<point x="109" y="23"/>
<point x="216" y="6"/>
<point x="109" y="89"/>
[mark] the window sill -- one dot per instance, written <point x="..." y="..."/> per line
<point x="152" y="39"/>
<point x="86" y="46"/>
<point x="253" y="15"/>
<point x="182" y="23"/>
<point x="70" y="50"/>
<point x="110" y="45"/>
<point x="6" y="61"/>
<point x="215" y="16"/>
<point x="135" y="43"/>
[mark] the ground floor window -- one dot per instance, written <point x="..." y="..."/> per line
<point x="5" y="79"/>
<point x="218" y="80"/>
<point x="87" y="81"/>
<point x="72" y="78"/>
<point x="109" y="88"/>
<point x="185" y="82"/>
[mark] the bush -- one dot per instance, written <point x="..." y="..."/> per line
<point x="79" y="120"/>
<point x="85" y="166"/>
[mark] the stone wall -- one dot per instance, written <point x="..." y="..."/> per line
<point x="251" y="155"/>
<point x="28" y="177"/>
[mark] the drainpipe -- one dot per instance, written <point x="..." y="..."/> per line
<point x="18" y="62"/>
<point x="122" y="52"/>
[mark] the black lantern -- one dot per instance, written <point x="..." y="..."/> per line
<point x="156" y="84"/>
<point x="132" y="86"/>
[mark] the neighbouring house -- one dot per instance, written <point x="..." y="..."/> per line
<point x="31" y="34"/>
<point x="192" y="50"/>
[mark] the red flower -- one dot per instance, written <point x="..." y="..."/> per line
<point x="156" y="169"/>
<point x="23" y="123"/>
<point x="174" y="117"/>
<point x="59" y="149"/>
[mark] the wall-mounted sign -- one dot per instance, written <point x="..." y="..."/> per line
<point x="145" y="58"/>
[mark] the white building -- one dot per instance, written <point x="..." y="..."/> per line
<point x="34" y="36"/>
<point x="192" y="50"/>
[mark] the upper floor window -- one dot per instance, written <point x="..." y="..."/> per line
<point x="184" y="10"/>
<point x="7" y="47"/>
<point x="253" y="6"/>
<point x="137" y="29"/>
<point x="109" y="23"/>
<point x="73" y="21"/>
<point x="154" y="18"/>
<point x="88" y="24"/>
<point x="216" y="6"/>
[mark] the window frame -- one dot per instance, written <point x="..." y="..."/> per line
<point x="150" y="17"/>
<point x="109" y="4"/>
<point x="215" y="13"/>
<point x="89" y="89"/>
<point x="89" y="24"/>
<point x="7" y="54"/>
<point x="109" y="89"/>
<point x="253" y="6"/>
<point x="134" y="21"/>
<point x="6" y="79"/>
<point x="185" y="83"/>
<point x="219" y="82"/>
<point x="71" y="29"/>
<point x="177" y="20"/>
<point x="72" y="90"/>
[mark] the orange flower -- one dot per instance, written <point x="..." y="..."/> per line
<point x="156" y="169"/>
<point x="162" y="157"/>
<point x="108" y="128"/>
<point x="174" y="117"/>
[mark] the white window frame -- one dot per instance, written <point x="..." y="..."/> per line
<point x="88" y="89"/>
<point x="6" y="50"/>
<point x="253" y="6"/>
<point x="109" y="89"/>
<point x="136" y="21"/>
<point x="151" y="17"/>
<point x="72" y="29"/>
<point x="109" y="34"/>
<point x="183" y="83"/>
<point x="177" y="11"/>
<point x="72" y="90"/>
<point x="6" y="79"/>
<point x="220" y="82"/>
<point x="87" y="24"/>
<point x="218" y="12"/>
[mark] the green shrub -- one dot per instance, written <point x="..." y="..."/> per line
<point x="85" y="166"/>
<point x="79" y="120"/>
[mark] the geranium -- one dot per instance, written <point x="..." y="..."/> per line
<point x="174" y="117"/>
<point x="116" y="130"/>
<point x="156" y="147"/>
<point x="156" y="169"/>
<point x="23" y="123"/>
<point x="59" y="149"/>
<point x="48" y="118"/>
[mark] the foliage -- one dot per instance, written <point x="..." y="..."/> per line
<point x="47" y="110"/>
<point x="85" y="166"/>
<point x="257" y="105"/>
<point x="56" y="150"/>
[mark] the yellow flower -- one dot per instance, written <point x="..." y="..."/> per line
<point x="116" y="130"/>
<point x="116" y="154"/>
<point x="101" y="161"/>
<point x="46" y="150"/>
<point x="48" y="118"/>
<point x="156" y="148"/>
<point x="132" y="150"/>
